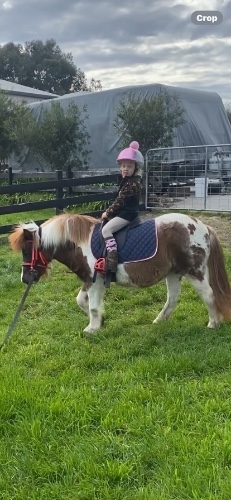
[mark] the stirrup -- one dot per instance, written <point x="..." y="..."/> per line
<point x="101" y="265"/>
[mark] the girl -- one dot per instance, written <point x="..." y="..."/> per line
<point x="125" y="208"/>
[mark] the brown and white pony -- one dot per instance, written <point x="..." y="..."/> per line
<point x="186" y="247"/>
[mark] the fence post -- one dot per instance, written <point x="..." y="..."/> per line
<point x="206" y="177"/>
<point x="59" y="191"/>
<point x="10" y="176"/>
<point x="69" y="175"/>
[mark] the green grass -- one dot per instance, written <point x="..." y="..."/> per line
<point x="137" y="412"/>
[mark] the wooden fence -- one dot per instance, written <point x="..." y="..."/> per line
<point x="90" y="187"/>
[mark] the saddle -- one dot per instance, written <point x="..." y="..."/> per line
<point x="120" y="237"/>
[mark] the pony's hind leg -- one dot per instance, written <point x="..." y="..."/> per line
<point x="173" y="282"/>
<point x="205" y="291"/>
<point x="82" y="300"/>
<point x="96" y="296"/>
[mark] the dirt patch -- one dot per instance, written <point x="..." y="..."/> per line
<point x="221" y="224"/>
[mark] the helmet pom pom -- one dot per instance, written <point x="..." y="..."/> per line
<point x="134" y="145"/>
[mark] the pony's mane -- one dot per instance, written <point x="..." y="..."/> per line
<point x="55" y="231"/>
<point x="65" y="227"/>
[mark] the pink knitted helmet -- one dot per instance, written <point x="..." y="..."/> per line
<point x="132" y="153"/>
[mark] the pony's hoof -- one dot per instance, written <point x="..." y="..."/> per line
<point x="212" y="324"/>
<point x="91" y="330"/>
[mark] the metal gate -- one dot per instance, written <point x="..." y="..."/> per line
<point x="191" y="177"/>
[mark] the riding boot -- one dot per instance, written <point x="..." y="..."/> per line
<point x="112" y="261"/>
<point x="112" y="254"/>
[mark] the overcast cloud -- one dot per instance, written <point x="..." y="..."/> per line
<point x="130" y="42"/>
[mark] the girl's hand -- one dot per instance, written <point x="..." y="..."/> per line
<point x="104" y="216"/>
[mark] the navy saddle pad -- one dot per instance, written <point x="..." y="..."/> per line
<point x="140" y="243"/>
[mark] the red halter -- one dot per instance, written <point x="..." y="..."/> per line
<point x="36" y="256"/>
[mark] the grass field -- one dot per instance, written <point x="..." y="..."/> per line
<point x="137" y="412"/>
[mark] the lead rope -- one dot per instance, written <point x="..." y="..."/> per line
<point x="12" y="325"/>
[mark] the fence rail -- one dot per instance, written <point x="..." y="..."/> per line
<point x="10" y="175"/>
<point x="60" y="182"/>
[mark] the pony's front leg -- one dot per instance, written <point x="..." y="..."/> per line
<point x="82" y="300"/>
<point x="95" y="296"/>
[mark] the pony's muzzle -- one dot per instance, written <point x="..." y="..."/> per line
<point x="29" y="276"/>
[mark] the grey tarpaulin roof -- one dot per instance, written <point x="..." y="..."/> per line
<point x="205" y="115"/>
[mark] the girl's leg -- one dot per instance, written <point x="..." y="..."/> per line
<point x="113" y="226"/>
<point x="108" y="230"/>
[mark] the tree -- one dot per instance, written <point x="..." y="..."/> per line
<point x="12" y="62"/>
<point x="43" y="66"/>
<point x="60" y="140"/>
<point x="80" y="83"/>
<point x="150" y="121"/>
<point x="15" y="123"/>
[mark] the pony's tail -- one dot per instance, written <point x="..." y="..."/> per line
<point x="218" y="276"/>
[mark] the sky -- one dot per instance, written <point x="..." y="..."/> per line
<point x="131" y="42"/>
